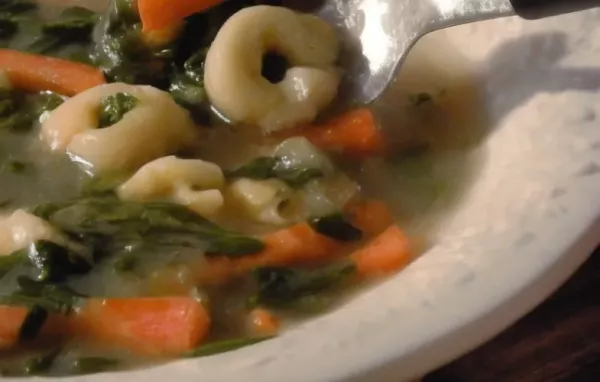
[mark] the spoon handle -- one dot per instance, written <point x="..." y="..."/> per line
<point x="536" y="9"/>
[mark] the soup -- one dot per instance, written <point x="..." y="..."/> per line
<point x="181" y="184"/>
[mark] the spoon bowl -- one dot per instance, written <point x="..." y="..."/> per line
<point x="378" y="34"/>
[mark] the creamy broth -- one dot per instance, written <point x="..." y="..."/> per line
<point x="431" y="115"/>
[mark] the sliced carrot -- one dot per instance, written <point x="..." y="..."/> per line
<point x="156" y="326"/>
<point x="387" y="253"/>
<point x="36" y="73"/>
<point x="263" y="323"/>
<point x="354" y="133"/>
<point x="11" y="319"/>
<point x="159" y="14"/>
<point x="298" y="243"/>
<point x="370" y="216"/>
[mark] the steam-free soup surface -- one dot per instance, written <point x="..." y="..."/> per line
<point x="148" y="214"/>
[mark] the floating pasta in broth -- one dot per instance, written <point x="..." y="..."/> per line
<point x="176" y="234"/>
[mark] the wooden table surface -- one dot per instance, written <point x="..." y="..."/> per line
<point x="557" y="342"/>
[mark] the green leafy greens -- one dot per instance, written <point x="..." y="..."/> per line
<point x="122" y="52"/>
<point x="55" y="298"/>
<point x="282" y="286"/>
<point x="114" y="107"/>
<point x="32" y="324"/>
<point x="224" y="346"/>
<point x="263" y="168"/>
<point x="337" y="227"/>
<point x="19" y="110"/>
<point x="106" y="220"/>
<point x="74" y="25"/>
<point x="38" y="365"/>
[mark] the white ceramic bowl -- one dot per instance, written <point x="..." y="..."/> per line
<point x="525" y="224"/>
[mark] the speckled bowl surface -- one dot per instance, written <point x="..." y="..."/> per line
<point x="526" y="222"/>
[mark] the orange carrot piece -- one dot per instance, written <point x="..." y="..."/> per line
<point x="263" y="323"/>
<point x="298" y="243"/>
<point x="10" y="323"/>
<point x="156" y="326"/>
<point x="370" y="216"/>
<point x="11" y="319"/>
<point x="354" y="133"/>
<point x="387" y="253"/>
<point x="159" y="14"/>
<point x="36" y="73"/>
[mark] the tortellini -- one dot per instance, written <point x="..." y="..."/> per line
<point x="155" y="127"/>
<point x="21" y="229"/>
<point x="265" y="201"/>
<point x="193" y="183"/>
<point x="233" y="67"/>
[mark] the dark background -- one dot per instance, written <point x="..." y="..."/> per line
<point x="557" y="342"/>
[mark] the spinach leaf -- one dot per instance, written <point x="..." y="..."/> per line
<point x="194" y="66"/>
<point x="280" y="286"/>
<point x="56" y="263"/>
<point x="52" y="263"/>
<point x="101" y="185"/>
<point x="122" y="52"/>
<point x="299" y="177"/>
<point x="17" y="6"/>
<point x="19" y="111"/>
<point x="32" y="324"/>
<point x="92" y="365"/>
<point x="73" y="27"/>
<point x="12" y="16"/>
<point x="8" y="262"/>
<point x="263" y="168"/>
<point x="55" y="298"/>
<point x="337" y="227"/>
<point x="73" y="24"/>
<point x="8" y="26"/>
<point x="224" y="346"/>
<point x="191" y="96"/>
<point x="38" y="365"/>
<point x="42" y="102"/>
<point x="114" y="107"/>
<point x="259" y="169"/>
<point x="110" y="220"/>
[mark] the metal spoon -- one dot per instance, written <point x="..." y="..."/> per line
<point x="379" y="33"/>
